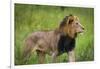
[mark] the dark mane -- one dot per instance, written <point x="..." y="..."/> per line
<point x="63" y="21"/>
<point x="65" y="44"/>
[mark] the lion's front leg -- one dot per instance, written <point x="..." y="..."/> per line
<point x="54" y="57"/>
<point x="71" y="56"/>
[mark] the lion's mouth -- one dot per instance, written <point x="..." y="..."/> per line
<point x="81" y="31"/>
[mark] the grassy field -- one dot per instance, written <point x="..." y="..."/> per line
<point x="30" y="18"/>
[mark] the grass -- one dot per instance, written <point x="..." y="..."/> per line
<point x="31" y="18"/>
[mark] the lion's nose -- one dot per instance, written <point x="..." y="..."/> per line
<point x="83" y="28"/>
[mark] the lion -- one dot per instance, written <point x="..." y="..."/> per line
<point x="55" y="42"/>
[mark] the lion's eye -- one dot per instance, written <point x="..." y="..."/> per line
<point x="77" y="23"/>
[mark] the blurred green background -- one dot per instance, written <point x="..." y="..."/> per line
<point x="29" y="18"/>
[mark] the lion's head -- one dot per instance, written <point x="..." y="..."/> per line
<point x="71" y="26"/>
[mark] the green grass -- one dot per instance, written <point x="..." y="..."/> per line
<point x="30" y="18"/>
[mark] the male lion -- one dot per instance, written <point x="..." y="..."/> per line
<point x="54" y="42"/>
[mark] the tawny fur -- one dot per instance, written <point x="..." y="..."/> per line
<point x="47" y="42"/>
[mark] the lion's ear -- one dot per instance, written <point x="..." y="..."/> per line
<point x="70" y="19"/>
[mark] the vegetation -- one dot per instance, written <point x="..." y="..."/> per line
<point x="30" y="18"/>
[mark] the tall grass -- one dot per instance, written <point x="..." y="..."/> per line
<point x="30" y="18"/>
